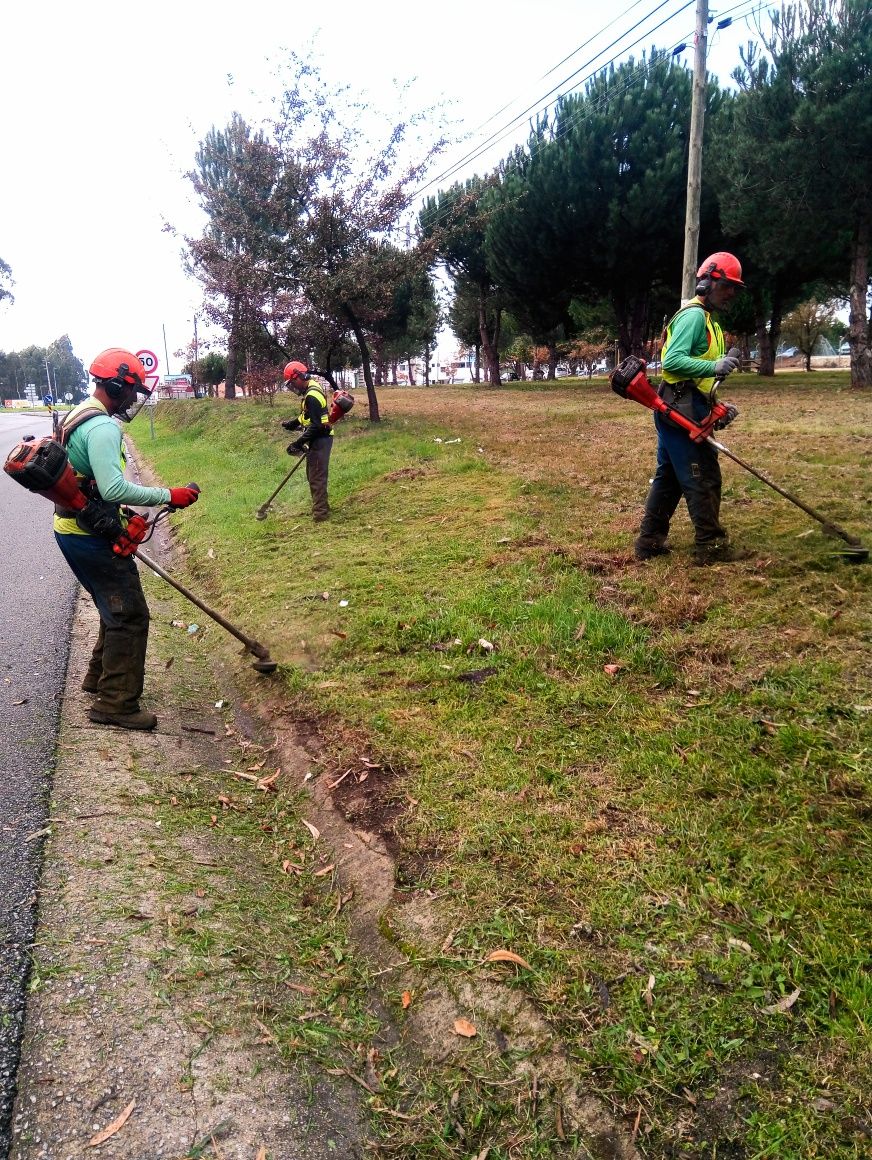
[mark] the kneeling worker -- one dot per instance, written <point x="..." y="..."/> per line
<point x="116" y="672"/>
<point x="316" y="440"/>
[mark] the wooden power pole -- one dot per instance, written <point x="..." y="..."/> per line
<point x="694" y="161"/>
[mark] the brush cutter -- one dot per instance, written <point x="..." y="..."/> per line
<point x="139" y="531"/>
<point x="630" y="381"/>
<point x="263" y="510"/>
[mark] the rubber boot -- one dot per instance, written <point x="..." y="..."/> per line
<point x="317" y="465"/>
<point x="121" y="681"/>
<point x="141" y="719"/>
<point x="92" y="677"/>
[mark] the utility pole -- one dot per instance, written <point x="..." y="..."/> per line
<point x="694" y="162"/>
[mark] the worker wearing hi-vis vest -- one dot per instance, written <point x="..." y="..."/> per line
<point x="93" y="442"/>
<point x="316" y="438"/>
<point x="693" y="359"/>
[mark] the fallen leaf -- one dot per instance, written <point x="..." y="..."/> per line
<point x="465" y="1028"/>
<point x="261" y="1152"/>
<point x="581" y="630"/>
<point x="485" y="645"/>
<point x="648" y="992"/>
<point x="299" y="987"/>
<point x="507" y="957"/>
<point x="255" y="768"/>
<point x="23" y="701"/>
<point x="782" y="1005"/>
<point x="341" y="635"/>
<point x="740" y="945"/>
<point x="406" y="999"/>
<point x="313" y="830"/>
<point x="612" y="669"/>
<point x="325" y="870"/>
<point x="267" y="782"/>
<point x="112" y="1128"/>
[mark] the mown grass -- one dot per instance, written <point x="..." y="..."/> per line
<point x="699" y="814"/>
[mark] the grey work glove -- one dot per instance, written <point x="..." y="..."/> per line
<point x="292" y="424"/>
<point x="726" y="365"/>
<point x="726" y="420"/>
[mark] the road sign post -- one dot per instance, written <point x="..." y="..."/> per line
<point x="150" y="361"/>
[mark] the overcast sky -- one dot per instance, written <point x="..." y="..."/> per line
<point x="104" y="105"/>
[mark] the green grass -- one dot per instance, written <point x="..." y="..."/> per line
<point x="699" y="815"/>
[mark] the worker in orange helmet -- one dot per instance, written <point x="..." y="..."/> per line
<point x="93" y="441"/>
<point x="693" y="362"/>
<point x="316" y="438"/>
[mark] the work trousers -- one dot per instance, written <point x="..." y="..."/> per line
<point x="317" y="464"/>
<point x="117" y="667"/>
<point x="684" y="469"/>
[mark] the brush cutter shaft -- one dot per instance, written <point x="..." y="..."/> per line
<point x="828" y="524"/>
<point x="263" y="507"/>
<point x="256" y="649"/>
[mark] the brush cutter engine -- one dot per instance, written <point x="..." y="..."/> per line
<point x="630" y="381"/>
<point x="43" y="467"/>
<point x="340" y="405"/>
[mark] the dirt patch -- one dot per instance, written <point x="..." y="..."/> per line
<point x="405" y="473"/>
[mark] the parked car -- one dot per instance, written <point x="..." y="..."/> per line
<point x="788" y="352"/>
<point x="845" y="347"/>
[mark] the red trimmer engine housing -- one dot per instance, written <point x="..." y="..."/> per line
<point x="631" y="381"/>
<point x="42" y="466"/>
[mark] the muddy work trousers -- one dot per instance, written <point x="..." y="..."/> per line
<point x="117" y="667"/>
<point x="317" y="465"/>
<point x="684" y="469"/>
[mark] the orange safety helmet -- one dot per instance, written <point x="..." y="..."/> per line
<point x="295" y="370"/>
<point x="116" y="370"/>
<point x="719" y="267"/>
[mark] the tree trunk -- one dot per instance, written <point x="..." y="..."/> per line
<point x="372" y="398"/>
<point x="412" y="382"/>
<point x="476" y="378"/>
<point x="490" y="342"/>
<point x="232" y="351"/>
<point x="552" y="361"/>
<point x="858" y="318"/>
<point x="426" y="366"/>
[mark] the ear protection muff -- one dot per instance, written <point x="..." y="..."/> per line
<point x="705" y="282"/>
<point x="116" y="388"/>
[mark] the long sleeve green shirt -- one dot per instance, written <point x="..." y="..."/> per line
<point x="96" y="451"/>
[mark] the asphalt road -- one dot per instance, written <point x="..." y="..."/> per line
<point x="37" y="593"/>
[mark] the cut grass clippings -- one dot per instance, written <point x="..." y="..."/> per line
<point x="651" y="782"/>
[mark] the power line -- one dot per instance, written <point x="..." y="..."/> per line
<point x="500" y="134"/>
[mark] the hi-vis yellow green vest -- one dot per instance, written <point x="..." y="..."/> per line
<point x="313" y="391"/>
<point x="694" y="342"/>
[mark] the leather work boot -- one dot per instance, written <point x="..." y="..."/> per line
<point x="95" y="664"/>
<point x="648" y="551"/>
<point x="141" y="719"/>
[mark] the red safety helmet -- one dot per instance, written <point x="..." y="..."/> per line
<point x="116" y="370"/>
<point x="295" y="370"/>
<point x="721" y="267"/>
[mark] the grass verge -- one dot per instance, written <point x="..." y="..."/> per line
<point x="651" y="783"/>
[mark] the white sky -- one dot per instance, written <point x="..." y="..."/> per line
<point x="104" y="105"/>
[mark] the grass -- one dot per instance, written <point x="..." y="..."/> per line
<point x="696" y="814"/>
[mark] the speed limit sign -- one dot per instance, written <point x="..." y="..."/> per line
<point x="149" y="360"/>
